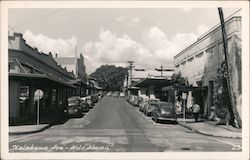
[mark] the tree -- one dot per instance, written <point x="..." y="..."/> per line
<point x="110" y="77"/>
<point x="179" y="80"/>
<point x="223" y="109"/>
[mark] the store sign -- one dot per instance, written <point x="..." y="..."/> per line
<point x="38" y="94"/>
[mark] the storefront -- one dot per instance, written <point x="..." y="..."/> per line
<point x="30" y="70"/>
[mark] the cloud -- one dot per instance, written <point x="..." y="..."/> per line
<point x="202" y="29"/>
<point x="63" y="47"/>
<point x="120" y="19"/>
<point x="152" y="49"/>
<point x="134" y="22"/>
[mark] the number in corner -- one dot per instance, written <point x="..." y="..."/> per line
<point x="236" y="148"/>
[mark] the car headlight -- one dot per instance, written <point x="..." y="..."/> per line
<point x="76" y="110"/>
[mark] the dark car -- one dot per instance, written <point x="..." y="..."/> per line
<point x="95" y="98"/>
<point x="74" y="106"/>
<point x="164" y="111"/>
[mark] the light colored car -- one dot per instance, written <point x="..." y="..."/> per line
<point x="122" y="95"/>
<point x="149" y="106"/>
<point x="142" y="103"/>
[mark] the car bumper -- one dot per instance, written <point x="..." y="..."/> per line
<point x="167" y="119"/>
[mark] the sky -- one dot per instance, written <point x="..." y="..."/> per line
<point x="149" y="36"/>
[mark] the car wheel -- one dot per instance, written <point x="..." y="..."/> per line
<point x="155" y="119"/>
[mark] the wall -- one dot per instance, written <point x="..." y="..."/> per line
<point x="200" y="61"/>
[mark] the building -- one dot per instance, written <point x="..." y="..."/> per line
<point x="93" y="86"/>
<point x="199" y="62"/>
<point x="147" y="83"/>
<point x="30" y="70"/>
<point x="77" y="67"/>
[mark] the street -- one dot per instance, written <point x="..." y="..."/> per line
<point x="115" y="126"/>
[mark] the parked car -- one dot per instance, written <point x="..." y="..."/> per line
<point x="95" y="98"/>
<point x="132" y="100"/>
<point x="164" y="111"/>
<point x="122" y="95"/>
<point x="74" y="106"/>
<point x="88" y="101"/>
<point x="109" y="94"/>
<point x="149" y="106"/>
<point x="142" y="103"/>
<point x="136" y="101"/>
<point x="115" y="94"/>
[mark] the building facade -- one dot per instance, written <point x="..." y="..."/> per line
<point x="77" y="67"/>
<point x="199" y="62"/>
<point x="30" y="70"/>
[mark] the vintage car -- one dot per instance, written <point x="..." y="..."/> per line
<point x="164" y="111"/>
<point x="95" y="98"/>
<point x="76" y="107"/>
<point x="149" y="106"/>
<point x="88" y="101"/>
<point x="142" y="103"/>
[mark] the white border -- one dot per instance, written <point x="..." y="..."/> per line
<point x="124" y="4"/>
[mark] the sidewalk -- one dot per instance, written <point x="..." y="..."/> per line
<point x="209" y="128"/>
<point x="25" y="129"/>
<point x="30" y="126"/>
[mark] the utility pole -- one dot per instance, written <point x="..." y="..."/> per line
<point x="163" y="69"/>
<point x="130" y="67"/>
<point x="232" y="103"/>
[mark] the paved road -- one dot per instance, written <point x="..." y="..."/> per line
<point x="115" y="126"/>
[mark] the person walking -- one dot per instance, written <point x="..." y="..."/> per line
<point x="196" y="111"/>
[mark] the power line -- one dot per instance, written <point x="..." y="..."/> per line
<point x="37" y="18"/>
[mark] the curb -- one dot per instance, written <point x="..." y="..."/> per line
<point x="32" y="131"/>
<point x="207" y="134"/>
<point x="35" y="131"/>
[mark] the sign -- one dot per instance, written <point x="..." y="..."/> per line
<point x="184" y="95"/>
<point x="38" y="94"/>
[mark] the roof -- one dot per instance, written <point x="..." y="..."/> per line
<point x="65" y="60"/>
<point x="153" y="82"/>
<point x="45" y="59"/>
<point x="43" y="77"/>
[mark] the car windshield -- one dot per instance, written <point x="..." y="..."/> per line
<point x="152" y="101"/>
<point x="70" y="101"/>
<point x="165" y="105"/>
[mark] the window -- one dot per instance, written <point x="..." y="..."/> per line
<point x="24" y="100"/>
<point x="199" y="55"/>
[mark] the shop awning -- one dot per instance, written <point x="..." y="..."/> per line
<point x="184" y="88"/>
<point x="43" y="79"/>
<point x="153" y="82"/>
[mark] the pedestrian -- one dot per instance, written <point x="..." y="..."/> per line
<point x="196" y="111"/>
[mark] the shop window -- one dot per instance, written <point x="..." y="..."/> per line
<point x="24" y="100"/>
